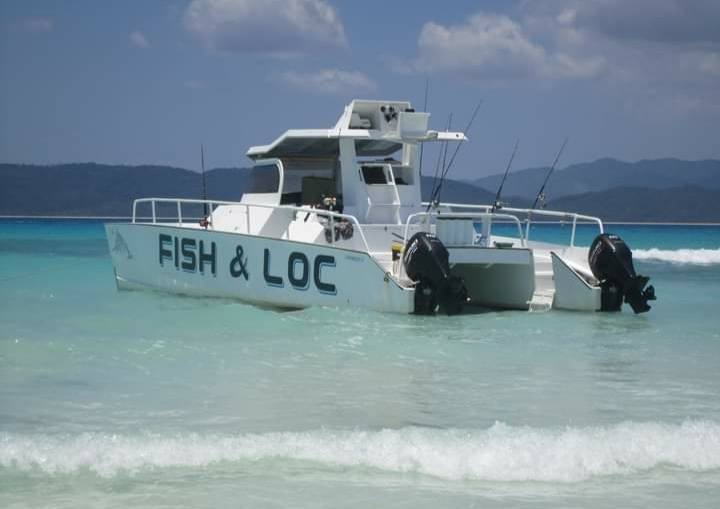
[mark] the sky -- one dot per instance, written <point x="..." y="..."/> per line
<point x="146" y="82"/>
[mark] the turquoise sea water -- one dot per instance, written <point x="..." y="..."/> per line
<point x="141" y="399"/>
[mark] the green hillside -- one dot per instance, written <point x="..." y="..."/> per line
<point x="90" y="189"/>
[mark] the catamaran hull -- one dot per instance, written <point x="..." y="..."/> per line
<point x="258" y="270"/>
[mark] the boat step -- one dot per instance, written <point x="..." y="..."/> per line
<point x="541" y="301"/>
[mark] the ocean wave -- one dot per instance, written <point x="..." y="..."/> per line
<point x="679" y="256"/>
<point x="499" y="453"/>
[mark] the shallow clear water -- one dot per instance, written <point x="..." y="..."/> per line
<point x="144" y="399"/>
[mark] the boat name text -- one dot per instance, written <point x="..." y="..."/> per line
<point x="192" y="255"/>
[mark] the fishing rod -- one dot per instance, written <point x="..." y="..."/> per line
<point x="422" y="145"/>
<point x="204" y="187"/>
<point x="449" y="126"/>
<point x="437" y="164"/>
<point x="541" y="193"/>
<point x="496" y="202"/>
<point x="446" y="169"/>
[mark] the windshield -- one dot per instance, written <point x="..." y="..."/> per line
<point x="263" y="178"/>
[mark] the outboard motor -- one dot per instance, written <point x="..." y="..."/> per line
<point x="611" y="263"/>
<point x="426" y="262"/>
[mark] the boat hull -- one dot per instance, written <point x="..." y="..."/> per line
<point x="495" y="278"/>
<point x="254" y="269"/>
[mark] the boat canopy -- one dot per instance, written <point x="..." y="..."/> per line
<point x="318" y="143"/>
<point x="379" y="129"/>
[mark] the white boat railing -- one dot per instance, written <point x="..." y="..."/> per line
<point x="178" y="201"/>
<point x="529" y="213"/>
<point x="331" y="216"/>
<point x="483" y="216"/>
<point x="485" y="213"/>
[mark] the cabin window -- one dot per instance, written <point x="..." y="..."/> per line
<point x="263" y="178"/>
<point x="377" y="148"/>
<point x="308" y="181"/>
<point x="384" y="173"/>
<point x="374" y="175"/>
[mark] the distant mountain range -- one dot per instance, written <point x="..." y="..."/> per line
<point x="605" y="174"/>
<point x="89" y="189"/>
<point x="663" y="190"/>
<point x="677" y="204"/>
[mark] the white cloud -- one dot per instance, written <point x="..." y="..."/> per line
<point x="673" y="23"/>
<point x="277" y="27"/>
<point x="138" y="39"/>
<point x="667" y="21"/>
<point x="567" y="17"/>
<point x="491" y="46"/>
<point x="330" y="81"/>
<point x="710" y="64"/>
<point x="661" y="55"/>
<point x="658" y="40"/>
<point x="39" y="24"/>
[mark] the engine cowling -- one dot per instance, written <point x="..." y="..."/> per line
<point x="610" y="261"/>
<point x="426" y="261"/>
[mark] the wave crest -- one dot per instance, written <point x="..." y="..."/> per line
<point x="679" y="256"/>
<point x="499" y="453"/>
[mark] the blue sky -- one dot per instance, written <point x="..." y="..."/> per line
<point x="138" y="82"/>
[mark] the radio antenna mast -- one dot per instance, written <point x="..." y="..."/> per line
<point x="496" y="202"/>
<point x="541" y="193"/>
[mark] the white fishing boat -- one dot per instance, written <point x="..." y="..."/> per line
<point x="334" y="217"/>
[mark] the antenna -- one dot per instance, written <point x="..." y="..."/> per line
<point x="541" y="193"/>
<point x="422" y="145"/>
<point x="204" y="188"/>
<point x="496" y="202"/>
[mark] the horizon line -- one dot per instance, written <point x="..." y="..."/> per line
<point x="630" y="223"/>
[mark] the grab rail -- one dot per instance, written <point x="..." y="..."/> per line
<point x="555" y="213"/>
<point x="178" y="201"/>
<point x="539" y="212"/>
<point x="481" y="215"/>
<point x="331" y="215"/>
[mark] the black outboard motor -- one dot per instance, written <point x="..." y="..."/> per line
<point x="426" y="262"/>
<point x="611" y="263"/>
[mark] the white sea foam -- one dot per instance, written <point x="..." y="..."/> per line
<point x="679" y="256"/>
<point x="499" y="453"/>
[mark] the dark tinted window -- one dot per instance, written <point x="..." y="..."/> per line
<point x="374" y="175"/>
<point x="374" y="148"/>
<point x="264" y="178"/>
